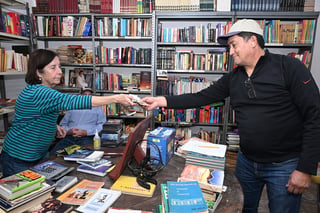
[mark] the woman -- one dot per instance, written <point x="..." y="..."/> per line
<point x="38" y="105"/>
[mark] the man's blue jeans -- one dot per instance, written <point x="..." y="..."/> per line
<point x="254" y="176"/>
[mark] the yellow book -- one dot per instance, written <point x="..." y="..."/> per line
<point x="129" y="185"/>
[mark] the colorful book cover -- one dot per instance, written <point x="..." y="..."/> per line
<point x="81" y="192"/>
<point x="129" y="185"/>
<point x="100" y="201"/>
<point x="20" y="184"/>
<point x="51" y="170"/>
<point x="211" y="180"/>
<point x="185" y="197"/>
<point x="164" y="198"/>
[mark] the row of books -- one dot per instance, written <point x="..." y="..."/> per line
<point x="181" y="85"/>
<point x="93" y="6"/>
<point x="304" y="57"/>
<point x="300" y="32"/>
<point x="211" y="60"/>
<point x="14" y="23"/>
<point x="66" y="26"/>
<point x="192" y="5"/>
<point x="207" y="114"/>
<point x="202" y="33"/>
<point x="123" y="55"/>
<point x="115" y="81"/>
<point x="13" y="61"/>
<point x="267" y="5"/>
<point x="134" y="27"/>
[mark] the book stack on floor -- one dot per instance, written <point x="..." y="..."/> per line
<point x="182" y="197"/>
<point x="23" y="190"/>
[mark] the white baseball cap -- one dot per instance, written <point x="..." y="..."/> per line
<point x="244" y="25"/>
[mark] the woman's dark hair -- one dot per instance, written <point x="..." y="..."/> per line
<point x="247" y="35"/>
<point x="38" y="59"/>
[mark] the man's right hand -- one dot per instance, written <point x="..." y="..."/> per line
<point x="75" y="132"/>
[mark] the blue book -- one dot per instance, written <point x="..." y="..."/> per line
<point x="185" y="197"/>
<point x="100" y="171"/>
<point x="51" y="169"/>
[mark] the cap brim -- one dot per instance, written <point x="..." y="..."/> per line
<point x="224" y="38"/>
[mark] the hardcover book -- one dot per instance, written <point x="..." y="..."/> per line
<point x="65" y="182"/>
<point x="185" y="197"/>
<point x="51" y="170"/>
<point x="81" y="192"/>
<point x="84" y="155"/>
<point x="19" y="184"/>
<point x="129" y="185"/>
<point x="99" y="171"/>
<point x="100" y="201"/>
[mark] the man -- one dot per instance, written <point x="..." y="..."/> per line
<point x="276" y="101"/>
<point x="80" y="125"/>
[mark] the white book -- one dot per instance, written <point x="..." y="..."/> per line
<point x="205" y="148"/>
<point x="100" y="201"/>
<point x="65" y="183"/>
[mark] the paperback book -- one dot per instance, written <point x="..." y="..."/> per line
<point x="81" y="192"/>
<point x="185" y="197"/>
<point x="65" y="183"/>
<point x="209" y="180"/>
<point x="19" y="184"/>
<point x="129" y="185"/>
<point x="51" y="170"/>
<point x="100" y="201"/>
<point x="84" y="155"/>
<point x="99" y="171"/>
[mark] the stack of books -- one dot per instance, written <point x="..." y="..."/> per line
<point x="91" y="161"/>
<point x="23" y="190"/>
<point x="202" y="153"/>
<point x="233" y="140"/>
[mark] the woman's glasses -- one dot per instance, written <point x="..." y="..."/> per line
<point x="251" y="92"/>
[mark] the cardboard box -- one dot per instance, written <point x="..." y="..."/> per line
<point x="164" y="138"/>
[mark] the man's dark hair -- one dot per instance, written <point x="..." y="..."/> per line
<point x="247" y="35"/>
<point x="38" y="59"/>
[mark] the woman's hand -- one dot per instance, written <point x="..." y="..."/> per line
<point x="61" y="132"/>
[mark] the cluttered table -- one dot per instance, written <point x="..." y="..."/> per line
<point x="231" y="199"/>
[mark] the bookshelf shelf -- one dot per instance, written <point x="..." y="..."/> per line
<point x="165" y="24"/>
<point x="113" y="44"/>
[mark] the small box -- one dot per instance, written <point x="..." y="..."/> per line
<point x="164" y="138"/>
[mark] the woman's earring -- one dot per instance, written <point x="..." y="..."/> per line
<point x="40" y="78"/>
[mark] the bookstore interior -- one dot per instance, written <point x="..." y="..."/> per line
<point x="142" y="48"/>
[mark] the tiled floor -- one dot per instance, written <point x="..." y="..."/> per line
<point x="308" y="204"/>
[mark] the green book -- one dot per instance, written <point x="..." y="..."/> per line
<point x="19" y="184"/>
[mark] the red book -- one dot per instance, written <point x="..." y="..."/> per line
<point x="15" y="18"/>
